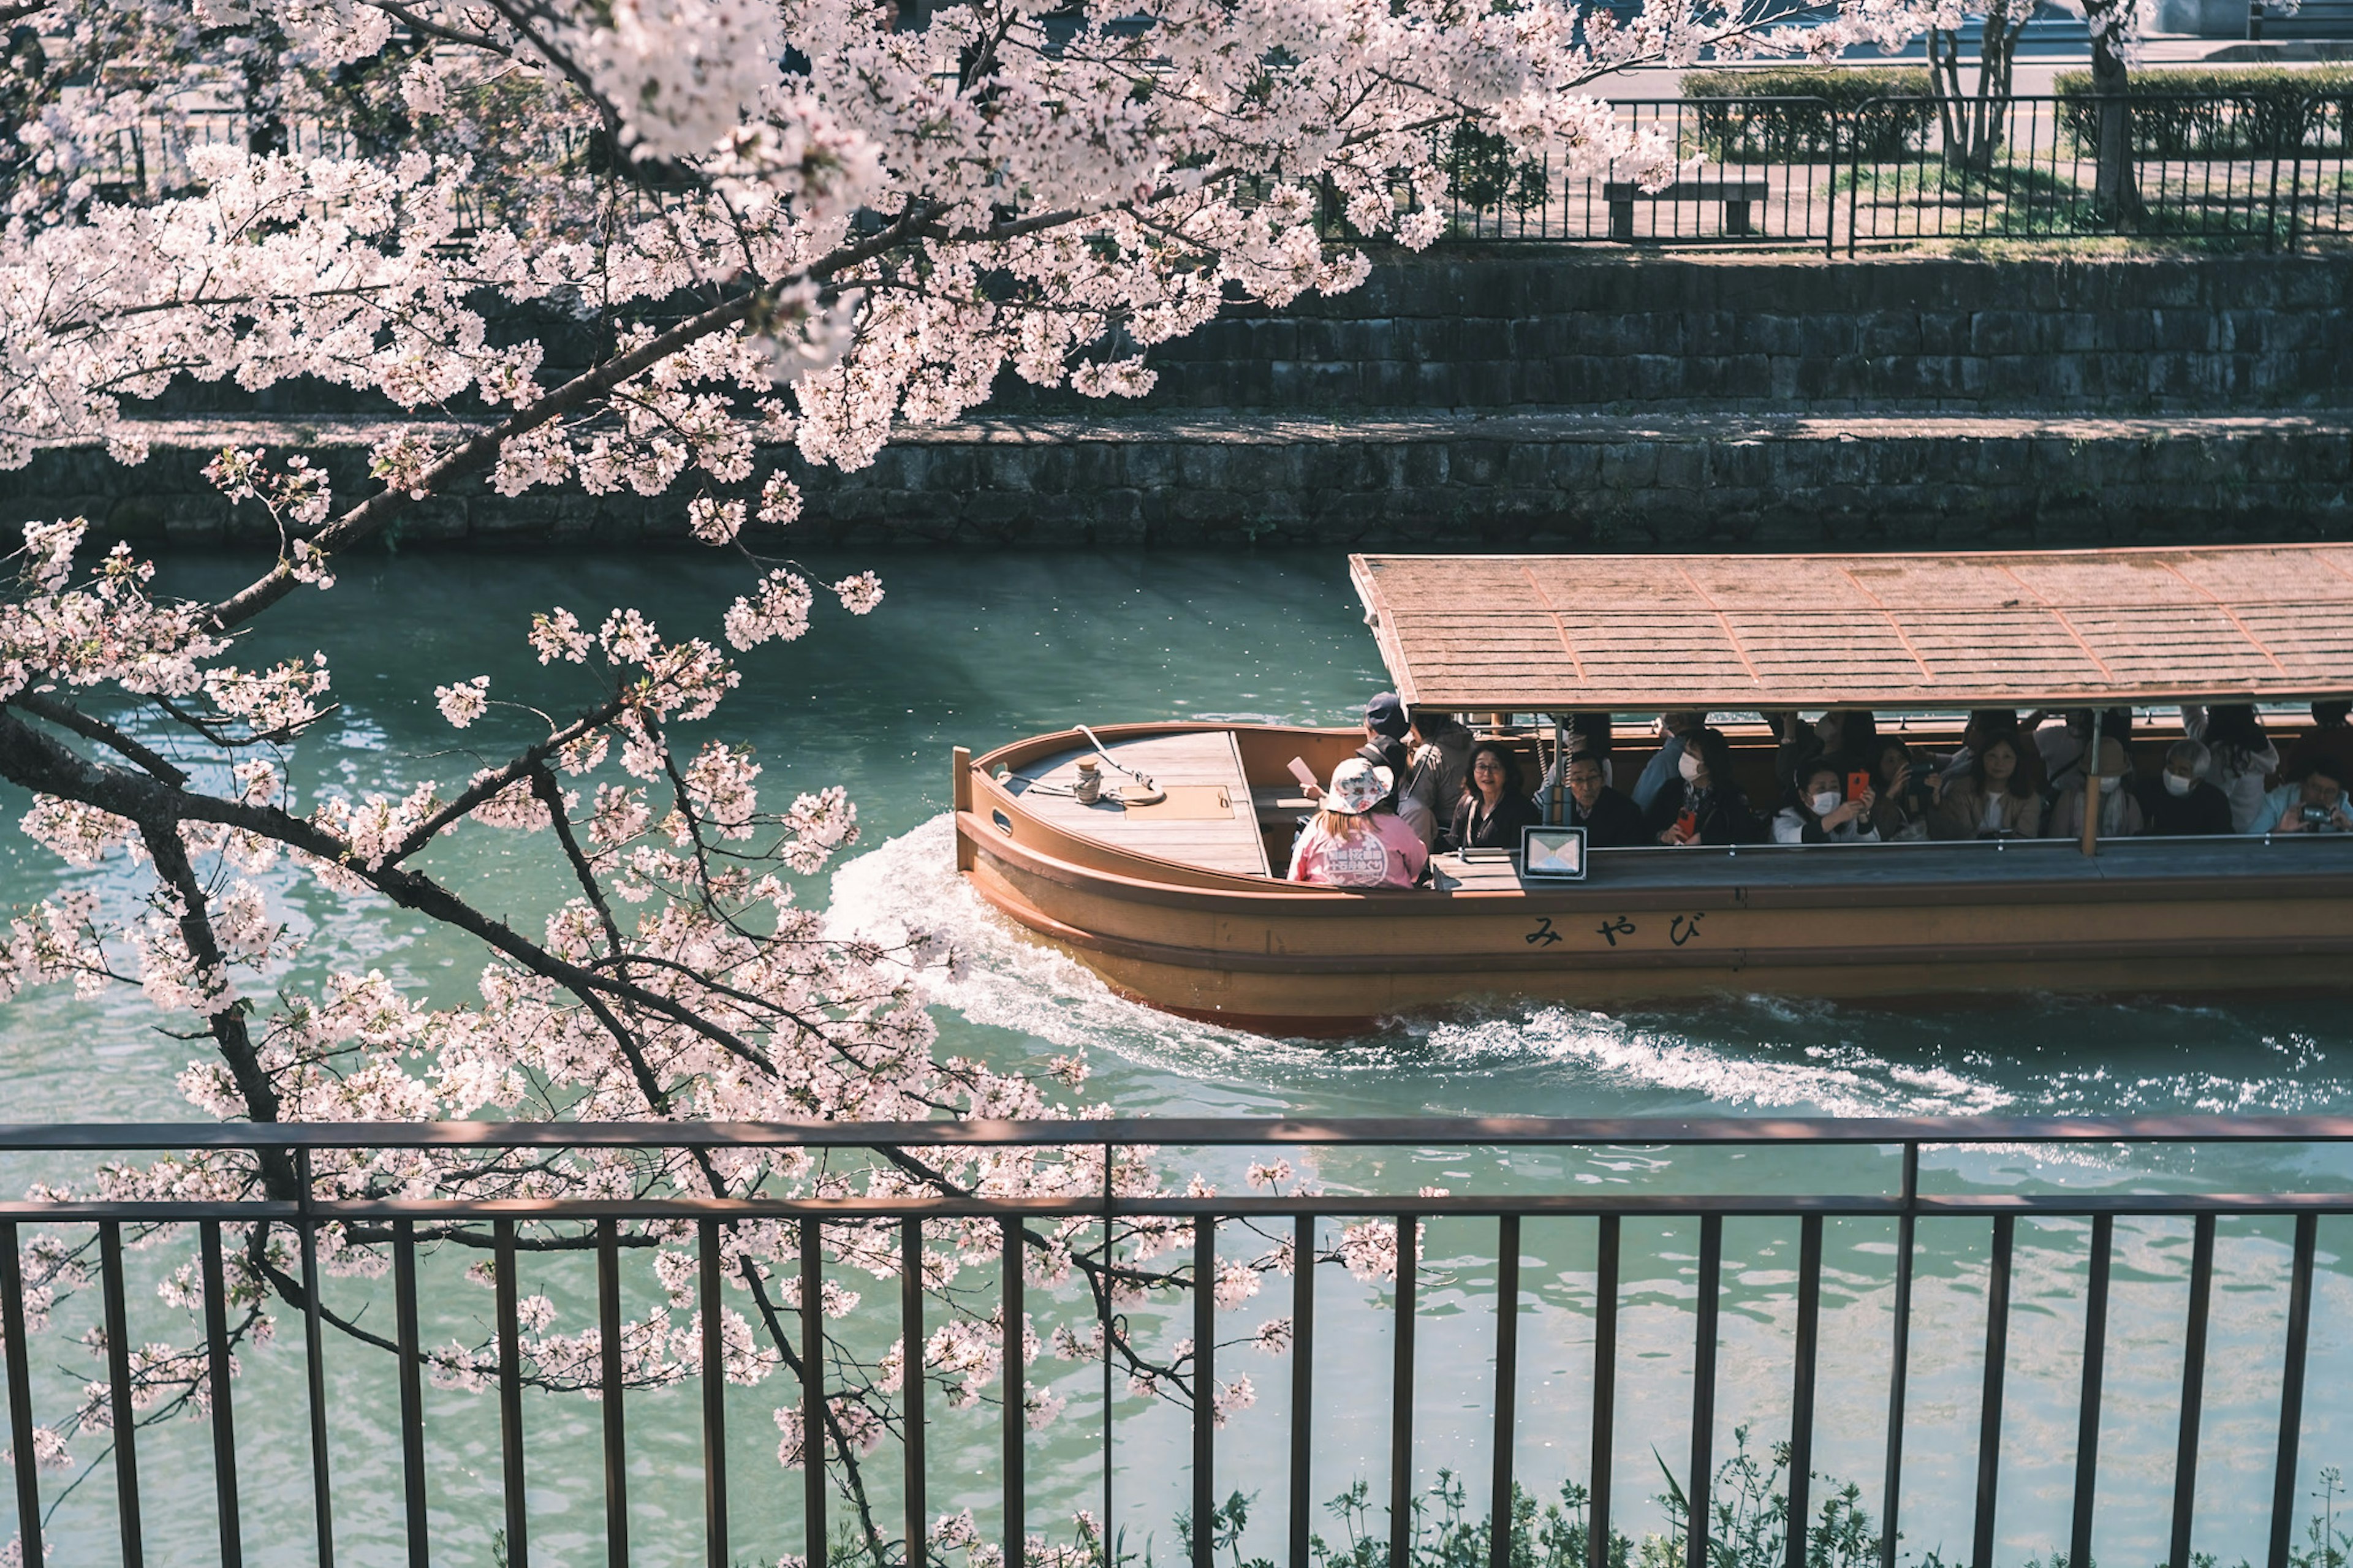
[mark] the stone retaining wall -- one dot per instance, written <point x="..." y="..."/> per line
<point x="1553" y="481"/>
<point x="1560" y="326"/>
<point x="1506" y="330"/>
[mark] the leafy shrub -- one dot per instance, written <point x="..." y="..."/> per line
<point x="1485" y="173"/>
<point x="1868" y="113"/>
<point x="2220" y="111"/>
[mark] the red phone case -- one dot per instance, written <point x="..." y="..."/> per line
<point x="1856" y="784"/>
<point x="1688" y="822"/>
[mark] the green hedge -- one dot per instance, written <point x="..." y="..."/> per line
<point x="1746" y="131"/>
<point x="2236" y="111"/>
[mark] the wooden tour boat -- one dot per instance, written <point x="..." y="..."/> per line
<point x="1180" y="903"/>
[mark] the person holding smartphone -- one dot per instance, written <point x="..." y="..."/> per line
<point x="1900" y="798"/>
<point x="1703" y="803"/>
<point x="1822" y="811"/>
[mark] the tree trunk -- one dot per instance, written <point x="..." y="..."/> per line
<point x="1974" y="122"/>
<point x="2115" y="184"/>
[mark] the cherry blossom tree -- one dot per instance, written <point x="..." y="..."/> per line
<point x="784" y="221"/>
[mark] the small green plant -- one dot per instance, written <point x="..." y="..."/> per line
<point x="2206" y="112"/>
<point x="1807" y="114"/>
<point x="2325" y="1546"/>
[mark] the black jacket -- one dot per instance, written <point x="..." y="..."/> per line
<point x="2204" y="810"/>
<point x="1476" y="829"/>
<point x="1724" y="815"/>
<point x="1616" y="822"/>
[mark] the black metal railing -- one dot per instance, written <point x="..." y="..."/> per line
<point x="601" y="1226"/>
<point x="2241" y="171"/>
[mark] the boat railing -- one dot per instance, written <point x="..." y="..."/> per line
<point x="1554" y="1226"/>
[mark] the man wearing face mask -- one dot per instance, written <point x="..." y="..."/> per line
<point x="2178" y="803"/>
<point x="2120" y="812"/>
<point x="1674" y="733"/>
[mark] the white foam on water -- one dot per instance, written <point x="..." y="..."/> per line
<point x="1837" y="1081"/>
<point x="1011" y="981"/>
<point x="1008" y="979"/>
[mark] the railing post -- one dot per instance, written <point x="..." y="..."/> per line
<point x="216" y="1381"/>
<point x="1605" y="1389"/>
<point x="20" y="1396"/>
<point x="1205" y="1391"/>
<point x="1997" y="1356"/>
<point x="1890" y="1491"/>
<point x="616" y="1457"/>
<point x="2291" y="1428"/>
<point x="1508" y="1376"/>
<point x="1801" y="1396"/>
<point x="812" y="1282"/>
<point x="2087" y="1413"/>
<point x="1408" y="1270"/>
<point x="412" y="1397"/>
<point x="2193" y="1387"/>
<point x="123" y="1413"/>
<point x="508" y="1294"/>
<point x="715" y="1397"/>
<point x="911" y="1387"/>
<point x="314" y="1370"/>
<point x="1303" y="1382"/>
<point x="1701" y="1487"/>
<point x="1016" y="1381"/>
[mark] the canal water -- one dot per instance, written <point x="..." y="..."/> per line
<point x="978" y="649"/>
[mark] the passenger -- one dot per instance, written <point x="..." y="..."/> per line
<point x="1352" y="842"/>
<point x="2120" y="812"/>
<point x="1996" y="797"/>
<point x="2061" y="746"/>
<point x="1984" y="725"/>
<point x="2178" y="803"/>
<point x="1610" y="820"/>
<point x="1674" y="730"/>
<point x="2243" y="758"/>
<point x="2314" y="804"/>
<point x="2331" y="741"/>
<point x="1820" y="812"/>
<point x="1846" y="738"/>
<point x="1441" y="749"/>
<point x="1385" y="727"/>
<point x="1593" y="735"/>
<point x="1588" y="736"/>
<point x="1703" y="803"/>
<point x="1902" y="801"/>
<point x="1493" y="808"/>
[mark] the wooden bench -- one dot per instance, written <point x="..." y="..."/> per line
<point x="1735" y="195"/>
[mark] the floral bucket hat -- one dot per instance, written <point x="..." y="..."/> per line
<point x="1358" y="786"/>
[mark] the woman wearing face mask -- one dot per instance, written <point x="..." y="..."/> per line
<point x="2178" y="803"/>
<point x="1822" y="814"/>
<point x="1995" y="797"/>
<point x="1703" y="803"/>
<point x="2120" y="812"/>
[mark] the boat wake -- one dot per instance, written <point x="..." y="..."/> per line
<point x="1761" y="1056"/>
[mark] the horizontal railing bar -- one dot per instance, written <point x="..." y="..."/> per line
<point x="1489" y="1206"/>
<point x="1178" y="1131"/>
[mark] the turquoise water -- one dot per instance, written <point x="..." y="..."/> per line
<point x="975" y="650"/>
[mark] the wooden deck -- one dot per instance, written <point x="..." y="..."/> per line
<point x="1205" y="829"/>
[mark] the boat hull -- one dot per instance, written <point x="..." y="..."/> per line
<point x="1868" y="921"/>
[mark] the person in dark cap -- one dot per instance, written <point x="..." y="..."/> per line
<point x="1386" y="725"/>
